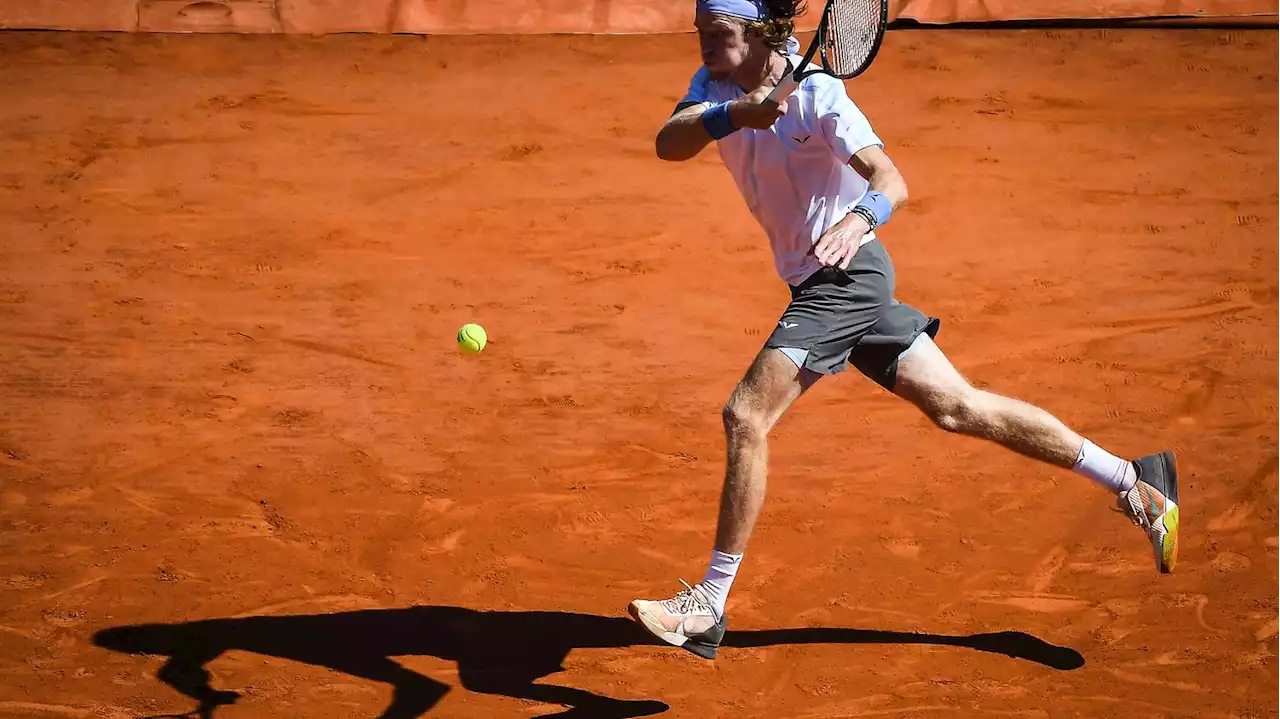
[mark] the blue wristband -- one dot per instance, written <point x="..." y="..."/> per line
<point x="881" y="207"/>
<point x="717" y="122"/>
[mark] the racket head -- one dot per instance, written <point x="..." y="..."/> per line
<point x="846" y="41"/>
<point x="795" y="73"/>
<point x="850" y="35"/>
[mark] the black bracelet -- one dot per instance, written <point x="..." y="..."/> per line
<point x="866" y="214"/>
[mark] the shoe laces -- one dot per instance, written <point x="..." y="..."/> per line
<point x="1134" y="506"/>
<point x="689" y="601"/>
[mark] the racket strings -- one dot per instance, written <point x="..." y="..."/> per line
<point x="851" y="33"/>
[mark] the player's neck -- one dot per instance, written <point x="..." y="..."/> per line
<point x="753" y="73"/>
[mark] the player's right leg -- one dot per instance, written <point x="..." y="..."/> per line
<point x="828" y="315"/>
<point x="694" y="618"/>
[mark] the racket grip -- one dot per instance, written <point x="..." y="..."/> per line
<point x="783" y="89"/>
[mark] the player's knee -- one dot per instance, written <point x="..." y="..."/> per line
<point x="741" y="419"/>
<point x="958" y="411"/>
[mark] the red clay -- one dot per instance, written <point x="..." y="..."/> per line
<point x="231" y="269"/>
<point x="437" y="17"/>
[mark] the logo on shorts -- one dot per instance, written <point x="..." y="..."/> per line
<point x="802" y="140"/>
<point x="787" y="325"/>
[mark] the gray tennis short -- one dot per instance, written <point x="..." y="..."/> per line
<point x="838" y="317"/>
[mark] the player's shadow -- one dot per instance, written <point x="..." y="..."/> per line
<point x="503" y="653"/>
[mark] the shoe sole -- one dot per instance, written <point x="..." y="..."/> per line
<point x="701" y="649"/>
<point x="1168" y="550"/>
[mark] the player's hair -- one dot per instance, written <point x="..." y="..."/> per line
<point x="781" y="23"/>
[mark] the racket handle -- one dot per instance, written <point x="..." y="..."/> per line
<point x="784" y="89"/>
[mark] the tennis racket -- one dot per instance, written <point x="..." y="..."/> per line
<point x="848" y="35"/>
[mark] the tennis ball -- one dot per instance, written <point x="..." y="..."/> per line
<point x="471" y="339"/>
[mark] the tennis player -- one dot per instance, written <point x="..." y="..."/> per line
<point x="817" y="179"/>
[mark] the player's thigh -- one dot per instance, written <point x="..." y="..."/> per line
<point x="927" y="379"/>
<point x="771" y="384"/>
<point x="898" y="351"/>
<point x="831" y="312"/>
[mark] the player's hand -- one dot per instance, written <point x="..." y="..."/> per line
<point x="752" y="111"/>
<point x="839" y="244"/>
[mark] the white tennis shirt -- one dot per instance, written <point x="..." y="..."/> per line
<point x="795" y="176"/>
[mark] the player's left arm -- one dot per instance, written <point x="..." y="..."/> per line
<point x="875" y="165"/>
<point x="850" y="136"/>
<point x="886" y="193"/>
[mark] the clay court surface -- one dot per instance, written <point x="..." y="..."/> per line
<point x="231" y="270"/>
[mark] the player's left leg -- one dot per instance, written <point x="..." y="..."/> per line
<point x="1146" y="489"/>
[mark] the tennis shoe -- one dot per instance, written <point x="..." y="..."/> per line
<point x="687" y="620"/>
<point x="1152" y="504"/>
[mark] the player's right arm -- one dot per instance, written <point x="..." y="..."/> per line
<point x="685" y="133"/>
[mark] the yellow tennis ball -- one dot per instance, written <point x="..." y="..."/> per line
<point x="471" y="339"/>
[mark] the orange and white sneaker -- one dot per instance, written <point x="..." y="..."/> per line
<point x="1152" y="504"/>
<point x="687" y="620"/>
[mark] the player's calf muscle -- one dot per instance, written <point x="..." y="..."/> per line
<point x="1008" y="421"/>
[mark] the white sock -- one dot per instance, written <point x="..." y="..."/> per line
<point x="719" y="578"/>
<point x="1112" y="472"/>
